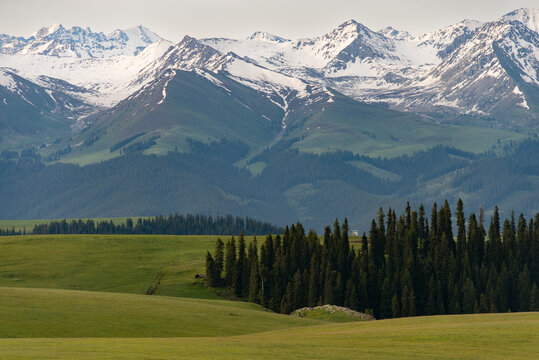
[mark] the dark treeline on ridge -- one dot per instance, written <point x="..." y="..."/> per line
<point x="160" y="225"/>
<point x="408" y="265"/>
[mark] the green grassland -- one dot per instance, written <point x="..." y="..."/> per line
<point x="499" y="336"/>
<point x="81" y="296"/>
<point x="66" y="313"/>
<point x="115" y="263"/>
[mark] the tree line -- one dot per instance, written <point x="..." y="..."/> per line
<point x="408" y="265"/>
<point x="174" y="224"/>
<point x="12" y="231"/>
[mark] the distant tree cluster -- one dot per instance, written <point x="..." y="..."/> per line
<point x="12" y="231"/>
<point x="124" y="142"/>
<point x="163" y="225"/>
<point x="408" y="266"/>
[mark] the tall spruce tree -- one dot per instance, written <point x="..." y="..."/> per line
<point x="254" y="283"/>
<point x="230" y="261"/>
<point x="219" y="257"/>
<point x="212" y="278"/>
<point x="240" y="273"/>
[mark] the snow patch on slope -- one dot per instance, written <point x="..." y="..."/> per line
<point x="528" y="16"/>
<point x="108" y="80"/>
<point x="6" y="80"/>
<point x="523" y="103"/>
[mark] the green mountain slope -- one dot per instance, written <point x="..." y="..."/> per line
<point x="179" y="106"/>
<point x="29" y="115"/>
<point x="346" y="124"/>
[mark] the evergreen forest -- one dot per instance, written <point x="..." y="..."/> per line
<point x="407" y="265"/>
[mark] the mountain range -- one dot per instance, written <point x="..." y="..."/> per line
<point x="78" y="96"/>
<point x="479" y="73"/>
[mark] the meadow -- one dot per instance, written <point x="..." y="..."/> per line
<point x="81" y="296"/>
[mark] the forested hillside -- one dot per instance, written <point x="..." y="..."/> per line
<point x="288" y="184"/>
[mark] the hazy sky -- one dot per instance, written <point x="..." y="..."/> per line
<point x="238" y="18"/>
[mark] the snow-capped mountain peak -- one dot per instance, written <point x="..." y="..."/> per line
<point x="528" y="16"/>
<point x="447" y="39"/>
<point x="56" y="40"/>
<point x="48" y="30"/>
<point x="265" y="36"/>
<point x="393" y="33"/>
<point x="346" y="30"/>
<point x="142" y="34"/>
<point x="347" y="42"/>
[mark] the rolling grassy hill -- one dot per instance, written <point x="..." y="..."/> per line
<point x="55" y="313"/>
<point x="116" y="263"/>
<point x="47" y="312"/>
<point x="498" y="336"/>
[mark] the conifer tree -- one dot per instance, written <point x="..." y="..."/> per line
<point x="380" y="241"/>
<point x="230" y="262"/>
<point x="461" y="234"/>
<point x="386" y="306"/>
<point x="494" y="245"/>
<point x="421" y="222"/>
<point x="534" y="298"/>
<point x="297" y="298"/>
<point x="344" y="251"/>
<point x="328" y="287"/>
<point x="483" y="304"/>
<point x="524" y="284"/>
<point x="314" y="280"/>
<point x="405" y="312"/>
<point x="431" y="303"/>
<point x="338" y="291"/>
<point x="211" y="271"/>
<point x="396" y="306"/>
<point x="240" y="272"/>
<point x="413" y="303"/>
<point x="219" y="257"/>
<point x="353" y="299"/>
<point x="327" y="237"/>
<point x="363" y="293"/>
<point x="254" y="283"/>
<point x="447" y="228"/>
<point x="469" y="297"/>
<point x="455" y="307"/>
<point x="285" y="307"/>
<point x="434" y="220"/>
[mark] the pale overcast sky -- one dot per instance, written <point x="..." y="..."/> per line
<point x="238" y="18"/>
